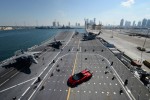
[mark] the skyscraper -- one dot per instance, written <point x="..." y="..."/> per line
<point x="58" y="24"/>
<point x="54" y="24"/>
<point x="139" y="23"/>
<point x="87" y="21"/>
<point x="144" y="22"/>
<point x="76" y="24"/>
<point x="69" y="24"/>
<point x="148" y="23"/>
<point x="94" y="20"/>
<point x="127" y="24"/>
<point x="133" y="23"/>
<point x="91" y="22"/>
<point x="121" y="22"/>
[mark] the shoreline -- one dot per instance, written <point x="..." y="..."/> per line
<point x="35" y="48"/>
<point x="32" y="47"/>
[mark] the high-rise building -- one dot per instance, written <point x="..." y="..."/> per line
<point x="54" y="24"/>
<point x="121" y="22"/>
<point x="91" y="22"/>
<point x="94" y="20"/>
<point x="78" y="24"/>
<point x="133" y="23"/>
<point x="148" y="23"/>
<point x="127" y="24"/>
<point x="58" y="24"/>
<point x="69" y="24"/>
<point x="87" y="21"/>
<point x="139" y="23"/>
<point x="144" y="22"/>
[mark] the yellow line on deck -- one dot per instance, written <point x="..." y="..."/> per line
<point x="73" y="72"/>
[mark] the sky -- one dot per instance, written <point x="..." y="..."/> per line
<point x="44" y="12"/>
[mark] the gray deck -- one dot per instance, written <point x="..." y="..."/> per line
<point x="99" y="87"/>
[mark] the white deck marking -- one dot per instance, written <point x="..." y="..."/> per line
<point x="7" y="73"/>
<point x="80" y="50"/>
<point x="25" y="91"/>
<point x="9" y="78"/>
<point x="50" y="69"/>
<point x="4" y="82"/>
<point x="17" y="85"/>
<point x="14" y="75"/>
<point x="72" y="49"/>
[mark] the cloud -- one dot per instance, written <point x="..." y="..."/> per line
<point x="127" y="3"/>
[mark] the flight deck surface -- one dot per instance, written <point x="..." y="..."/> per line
<point x="70" y="60"/>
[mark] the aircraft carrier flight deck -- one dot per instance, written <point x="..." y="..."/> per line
<point x="46" y="79"/>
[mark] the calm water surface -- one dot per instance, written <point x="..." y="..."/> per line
<point x="13" y="40"/>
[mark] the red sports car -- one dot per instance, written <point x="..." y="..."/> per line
<point x="78" y="78"/>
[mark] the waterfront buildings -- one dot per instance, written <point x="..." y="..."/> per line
<point x="139" y="24"/>
<point x="133" y="24"/>
<point x="121" y="22"/>
<point x="144" y="22"/>
<point x="148" y="23"/>
<point x="54" y="24"/>
<point x="127" y="24"/>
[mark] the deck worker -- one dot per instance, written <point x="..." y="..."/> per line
<point x="125" y="82"/>
<point x="111" y="63"/>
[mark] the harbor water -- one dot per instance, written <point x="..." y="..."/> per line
<point x="13" y="40"/>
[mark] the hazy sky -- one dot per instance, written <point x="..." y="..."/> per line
<point x="43" y="12"/>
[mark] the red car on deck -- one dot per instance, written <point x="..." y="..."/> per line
<point x="79" y="78"/>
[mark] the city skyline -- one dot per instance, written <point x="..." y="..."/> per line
<point x="144" y="23"/>
<point x="44" y="12"/>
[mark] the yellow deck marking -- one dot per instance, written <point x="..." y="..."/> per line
<point x="73" y="72"/>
